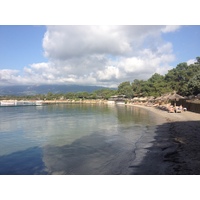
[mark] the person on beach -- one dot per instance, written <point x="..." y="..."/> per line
<point x="171" y="109"/>
<point x="178" y="109"/>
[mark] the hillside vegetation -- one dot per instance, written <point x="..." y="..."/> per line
<point x="184" y="79"/>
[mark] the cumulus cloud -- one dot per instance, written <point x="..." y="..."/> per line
<point x="99" y="55"/>
<point x="170" y="28"/>
<point x="8" y="76"/>
<point x="191" y="61"/>
<point x="64" y="42"/>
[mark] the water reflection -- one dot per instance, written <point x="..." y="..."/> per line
<point x="136" y="115"/>
<point x="25" y="162"/>
<point x="70" y="139"/>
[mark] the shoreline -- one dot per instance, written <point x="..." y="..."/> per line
<point x="183" y="116"/>
<point x="176" y="146"/>
<point x="173" y="117"/>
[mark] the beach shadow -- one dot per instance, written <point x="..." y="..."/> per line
<point x="175" y="150"/>
<point x="95" y="154"/>
<point x="27" y="162"/>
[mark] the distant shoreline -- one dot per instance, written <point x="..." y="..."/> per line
<point x="92" y="101"/>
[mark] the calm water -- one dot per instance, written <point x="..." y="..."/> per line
<point x="71" y="139"/>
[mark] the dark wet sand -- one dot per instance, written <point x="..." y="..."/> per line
<point x="175" y="149"/>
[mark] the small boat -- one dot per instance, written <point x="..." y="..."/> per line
<point x="39" y="103"/>
<point x="25" y="103"/>
<point x="9" y="103"/>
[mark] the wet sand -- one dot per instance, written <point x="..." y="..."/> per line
<point x="175" y="148"/>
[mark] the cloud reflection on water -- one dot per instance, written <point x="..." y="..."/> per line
<point x="70" y="140"/>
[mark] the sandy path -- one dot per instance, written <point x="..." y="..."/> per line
<point x="176" y="145"/>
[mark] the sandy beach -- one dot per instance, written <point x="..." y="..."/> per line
<point x="175" y="149"/>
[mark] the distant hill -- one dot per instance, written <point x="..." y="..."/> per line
<point x="18" y="90"/>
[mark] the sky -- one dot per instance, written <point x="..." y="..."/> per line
<point x="93" y="54"/>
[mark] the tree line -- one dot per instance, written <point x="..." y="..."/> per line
<point x="98" y="94"/>
<point x="184" y="79"/>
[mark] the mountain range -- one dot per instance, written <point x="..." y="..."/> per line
<point x="18" y="90"/>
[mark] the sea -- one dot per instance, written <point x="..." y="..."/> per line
<point x="74" y="139"/>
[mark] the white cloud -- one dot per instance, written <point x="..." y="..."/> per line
<point x="170" y="28"/>
<point x="191" y="61"/>
<point x="8" y="76"/>
<point x="99" y="55"/>
<point x="64" y="42"/>
<point x="109" y="73"/>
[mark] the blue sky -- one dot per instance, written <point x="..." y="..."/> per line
<point x="20" y="46"/>
<point x="186" y="43"/>
<point x="92" y="55"/>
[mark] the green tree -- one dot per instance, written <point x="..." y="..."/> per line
<point x="82" y="95"/>
<point x="194" y="84"/>
<point x="104" y="93"/>
<point x="50" y="96"/>
<point x="198" y="60"/>
<point x="125" y="88"/>
<point x="137" y="86"/>
<point x="178" y="78"/>
<point x="157" y="85"/>
<point x="69" y="95"/>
